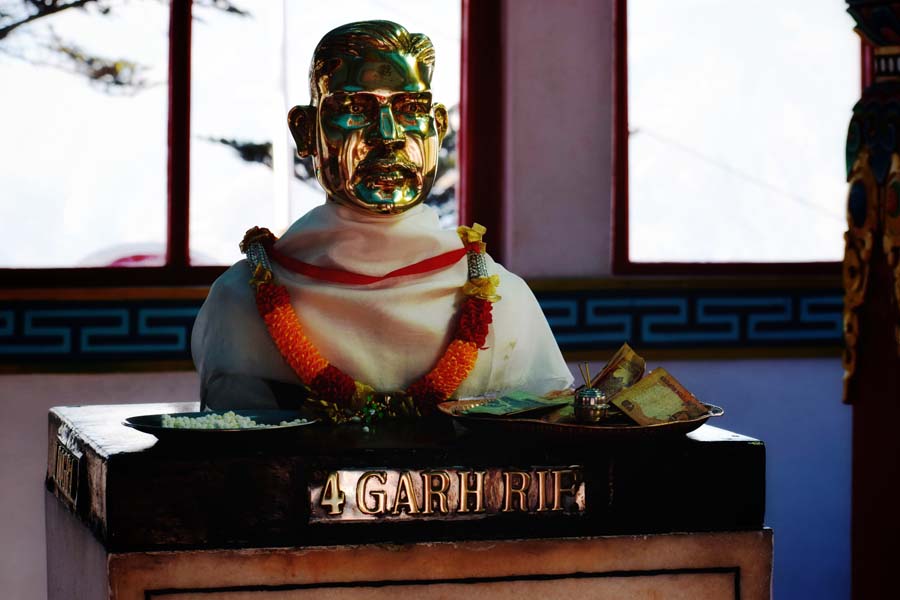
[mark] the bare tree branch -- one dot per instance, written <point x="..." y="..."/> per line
<point x="253" y="152"/>
<point x="119" y="74"/>
<point x="44" y="10"/>
<point x="223" y="5"/>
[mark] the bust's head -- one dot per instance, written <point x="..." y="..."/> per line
<point x="372" y="129"/>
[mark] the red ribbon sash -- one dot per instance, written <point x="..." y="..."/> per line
<point x="434" y="263"/>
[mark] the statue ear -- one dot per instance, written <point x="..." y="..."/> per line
<point x="441" y="120"/>
<point x="302" y="123"/>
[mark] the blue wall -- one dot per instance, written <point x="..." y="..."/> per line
<point x="794" y="406"/>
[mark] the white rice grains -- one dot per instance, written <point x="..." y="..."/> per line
<point x="229" y="420"/>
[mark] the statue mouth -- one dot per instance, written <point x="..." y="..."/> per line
<point x="387" y="174"/>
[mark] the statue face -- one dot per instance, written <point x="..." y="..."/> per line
<point x="377" y="133"/>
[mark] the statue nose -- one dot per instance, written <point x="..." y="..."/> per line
<point x="388" y="131"/>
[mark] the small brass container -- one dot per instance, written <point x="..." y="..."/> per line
<point x="591" y="406"/>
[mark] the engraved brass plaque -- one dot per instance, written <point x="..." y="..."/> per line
<point x="446" y="494"/>
<point x="65" y="475"/>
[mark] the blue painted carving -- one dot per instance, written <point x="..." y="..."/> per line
<point x="856" y="204"/>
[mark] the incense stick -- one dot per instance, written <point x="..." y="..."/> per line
<point x="585" y="369"/>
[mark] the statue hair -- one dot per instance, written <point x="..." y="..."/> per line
<point x="354" y="39"/>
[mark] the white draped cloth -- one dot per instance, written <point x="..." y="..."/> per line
<point x="386" y="334"/>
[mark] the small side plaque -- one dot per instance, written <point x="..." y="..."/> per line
<point x="446" y="494"/>
<point x="65" y="475"/>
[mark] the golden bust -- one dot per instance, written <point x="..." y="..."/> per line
<point x="372" y="128"/>
<point x="366" y="296"/>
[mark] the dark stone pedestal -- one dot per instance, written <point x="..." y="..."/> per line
<point x="232" y="520"/>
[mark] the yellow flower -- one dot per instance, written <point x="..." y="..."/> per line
<point x="483" y="287"/>
<point x="260" y="275"/>
<point x="471" y="234"/>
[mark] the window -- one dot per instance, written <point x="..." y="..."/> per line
<point x="83" y="157"/>
<point x="732" y="139"/>
<point x="98" y="88"/>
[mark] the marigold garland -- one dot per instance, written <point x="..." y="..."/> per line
<point x="474" y="320"/>
<point x="337" y="391"/>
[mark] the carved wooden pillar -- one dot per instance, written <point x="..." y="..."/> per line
<point x="872" y="301"/>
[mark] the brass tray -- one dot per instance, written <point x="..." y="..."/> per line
<point x="560" y="423"/>
<point x="152" y="424"/>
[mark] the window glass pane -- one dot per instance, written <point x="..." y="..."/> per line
<point x="307" y="22"/>
<point x="83" y="150"/>
<point x="738" y="114"/>
<point x="237" y="110"/>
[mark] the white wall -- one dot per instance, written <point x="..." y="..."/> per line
<point x="558" y="125"/>
<point x="24" y="402"/>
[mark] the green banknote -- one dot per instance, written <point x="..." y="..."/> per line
<point x="516" y="404"/>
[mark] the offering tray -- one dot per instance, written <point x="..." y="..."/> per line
<point x="152" y="424"/>
<point x="561" y="423"/>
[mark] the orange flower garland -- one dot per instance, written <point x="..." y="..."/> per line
<point x="274" y="305"/>
<point x="335" y="389"/>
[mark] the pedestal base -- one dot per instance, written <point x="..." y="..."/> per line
<point x="696" y="566"/>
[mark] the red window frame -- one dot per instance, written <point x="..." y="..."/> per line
<point x="621" y="261"/>
<point x="481" y="30"/>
